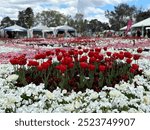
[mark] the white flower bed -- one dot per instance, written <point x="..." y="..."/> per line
<point x="9" y="49"/>
<point x="125" y="97"/>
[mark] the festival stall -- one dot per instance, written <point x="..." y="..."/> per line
<point x="15" y="31"/>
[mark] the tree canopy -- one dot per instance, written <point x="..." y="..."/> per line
<point x="142" y="15"/>
<point x="6" y="21"/>
<point x="26" y="18"/>
<point x="50" y="18"/>
<point x="119" y="17"/>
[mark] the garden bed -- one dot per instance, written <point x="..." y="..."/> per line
<point x="77" y="80"/>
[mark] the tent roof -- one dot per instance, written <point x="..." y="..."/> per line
<point x="124" y="28"/>
<point x="145" y="22"/>
<point x="50" y="29"/>
<point x="39" y="27"/>
<point x="15" y="28"/>
<point x="65" y="28"/>
<point x="108" y="31"/>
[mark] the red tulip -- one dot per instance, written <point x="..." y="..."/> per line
<point x="22" y="61"/>
<point x="121" y="56"/>
<point x="45" y="65"/>
<point x="101" y="57"/>
<point x="71" y="52"/>
<point x="67" y="60"/>
<point x="128" y="60"/>
<point x="139" y="50"/>
<point x="76" y="53"/>
<point x="136" y="56"/>
<point x="61" y="67"/>
<point x="102" y="68"/>
<point x="48" y="53"/>
<point x="127" y="54"/>
<point x="83" y="59"/>
<point x="91" y="54"/>
<point x="115" y="55"/>
<point x="71" y="65"/>
<point x="59" y="57"/>
<point x="96" y="55"/>
<point x="40" y="56"/>
<point x="85" y="50"/>
<point x="135" y="66"/>
<point x="91" y="67"/>
<point x="132" y="70"/>
<point x="83" y="65"/>
<point x="108" y="53"/>
<point x="14" y="61"/>
<point x="107" y="59"/>
<point x="97" y="49"/>
<point x="43" y="55"/>
<point x="105" y="48"/>
<point x="92" y="60"/>
<point x="57" y="50"/>
<point x="65" y="54"/>
<point x="33" y="63"/>
<point x="39" y="68"/>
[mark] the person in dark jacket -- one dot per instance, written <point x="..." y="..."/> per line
<point x="138" y="33"/>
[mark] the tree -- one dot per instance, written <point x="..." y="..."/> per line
<point x="119" y="17"/>
<point x="142" y="15"/>
<point x="50" y="18"/>
<point x="26" y="18"/>
<point x="79" y="22"/>
<point x="95" y="25"/>
<point x="6" y="21"/>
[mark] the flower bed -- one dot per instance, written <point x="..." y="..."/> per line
<point x="106" y="80"/>
<point x="124" y="97"/>
<point x="77" y="69"/>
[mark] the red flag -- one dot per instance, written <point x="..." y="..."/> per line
<point x="129" y="25"/>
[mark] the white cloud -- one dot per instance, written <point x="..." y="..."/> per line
<point x="90" y="8"/>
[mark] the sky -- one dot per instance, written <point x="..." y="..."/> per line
<point x="92" y="9"/>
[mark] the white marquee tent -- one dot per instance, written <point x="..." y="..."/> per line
<point x="65" y="28"/>
<point x="15" y="28"/>
<point x="19" y="31"/>
<point x="143" y="23"/>
<point x="41" y="28"/>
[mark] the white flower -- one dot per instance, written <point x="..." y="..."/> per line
<point x="69" y="107"/>
<point x="64" y="91"/>
<point x="147" y="74"/>
<point x="28" y="93"/>
<point x="132" y="110"/>
<point x="77" y="104"/>
<point x="94" y="95"/>
<point x="146" y="100"/>
<point x="122" y="86"/>
<point x="9" y="102"/>
<point x="49" y="95"/>
<point x="12" y="78"/>
<point x="115" y="93"/>
<point x="102" y="94"/>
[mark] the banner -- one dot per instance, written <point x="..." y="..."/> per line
<point x="129" y="24"/>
